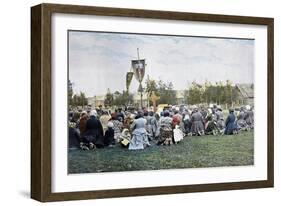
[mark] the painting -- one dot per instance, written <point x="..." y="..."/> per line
<point x="203" y="116"/>
<point x="130" y="102"/>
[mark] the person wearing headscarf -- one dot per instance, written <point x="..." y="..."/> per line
<point x="93" y="136"/>
<point x="120" y="115"/>
<point x="82" y="123"/>
<point x="125" y="138"/>
<point x="73" y="136"/>
<point x="166" y="130"/>
<point x="219" y="119"/>
<point x="104" y="119"/>
<point x="210" y="125"/>
<point x="128" y="120"/>
<point x="230" y="123"/>
<point x="178" y="134"/>
<point x="139" y="135"/>
<point x="178" y="121"/>
<point x="157" y="123"/>
<point x="117" y="126"/>
<point x="197" y="123"/>
<point x="153" y="123"/>
<point x="241" y="119"/>
<point x="249" y="116"/>
<point x="203" y="112"/>
<point x="109" y="135"/>
<point x="148" y="125"/>
<point x="177" y="118"/>
<point x="187" y="122"/>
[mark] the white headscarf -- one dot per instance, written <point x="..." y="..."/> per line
<point x="110" y="124"/>
<point x="94" y="113"/>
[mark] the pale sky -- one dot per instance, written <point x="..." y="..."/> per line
<point x="98" y="61"/>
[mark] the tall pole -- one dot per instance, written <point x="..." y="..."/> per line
<point x="138" y="54"/>
<point x="140" y="82"/>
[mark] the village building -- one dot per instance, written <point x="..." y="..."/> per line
<point x="98" y="100"/>
<point x="245" y="94"/>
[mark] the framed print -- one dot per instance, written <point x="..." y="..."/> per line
<point x="128" y="102"/>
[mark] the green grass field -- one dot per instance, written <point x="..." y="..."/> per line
<point x="192" y="152"/>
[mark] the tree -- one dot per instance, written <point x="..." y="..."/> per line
<point x="166" y="93"/>
<point x="206" y="95"/>
<point x="70" y="93"/>
<point x="219" y="93"/>
<point x="82" y="99"/>
<point x="122" y="99"/>
<point x="109" y="99"/>
<point x="195" y="94"/>
<point x="165" y="90"/>
<point x="79" y="100"/>
<point x="229" y="92"/>
<point x="75" y="99"/>
<point x="151" y="86"/>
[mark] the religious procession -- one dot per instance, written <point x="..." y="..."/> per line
<point x="142" y="128"/>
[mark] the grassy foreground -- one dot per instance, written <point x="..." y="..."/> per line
<point x="192" y="152"/>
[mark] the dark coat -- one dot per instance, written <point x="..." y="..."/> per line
<point x="109" y="137"/>
<point x="74" y="138"/>
<point x="94" y="131"/>
<point x="230" y="124"/>
<point x="120" y="116"/>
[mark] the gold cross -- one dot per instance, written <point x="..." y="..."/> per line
<point x="153" y="97"/>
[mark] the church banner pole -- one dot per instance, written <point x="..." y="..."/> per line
<point x="140" y="82"/>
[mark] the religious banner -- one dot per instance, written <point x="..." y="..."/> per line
<point x="140" y="89"/>
<point x="139" y="69"/>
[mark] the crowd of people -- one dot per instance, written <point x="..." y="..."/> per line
<point x="138" y="129"/>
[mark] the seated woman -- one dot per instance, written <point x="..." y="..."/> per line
<point x="104" y="119"/>
<point x="250" y="117"/>
<point x="109" y="135"/>
<point x="139" y="135"/>
<point x="230" y="123"/>
<point x="82" y="123"/>
<point x="151" y="125"/>
<point x="220" y="120"/>
<point x="211" y="127"/>
<point x="73" y="137"/>
<point x="93" y="136"/>
<point x="187" y="123"/>
<point x="128" y="120"/>
<point x="125" y="138"/>
<point x="197" y="123"/>
<point x="178" y="134"/>
<point x="117" y="126"/>
<point x="241" y="120"/>
<point x="166" y="130"/>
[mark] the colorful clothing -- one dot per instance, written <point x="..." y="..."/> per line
<point x="139" y="135"/>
